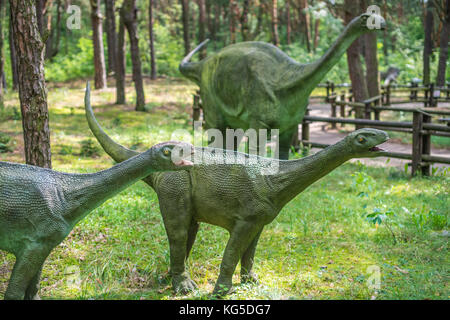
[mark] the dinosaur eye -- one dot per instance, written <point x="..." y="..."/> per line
<point x="361" y="139"/>
<point x="166" y="152"/>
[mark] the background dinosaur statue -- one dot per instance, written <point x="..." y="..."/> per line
<point x="256" y="85"/>
<point x="39" y="207"/>
<point x="237" y="197"/>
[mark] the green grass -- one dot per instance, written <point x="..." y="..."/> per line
<point x="319" y="247"/>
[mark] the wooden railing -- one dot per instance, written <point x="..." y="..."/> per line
<point x="421" y="127"/>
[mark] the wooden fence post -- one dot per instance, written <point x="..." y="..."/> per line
<point x="413" y="94"/>
<point x="333" y="110"/>
<point x="416" y="142"/>
<point x="367" y="110"/>
<point x="305" y="129"/>
<point x="426" y="98"/>
<point x="343" y="107"/>
<point x="388" y="94"/>
<point x="433" y="101"/>
<point x="426" y="145"/>
<point x="327" y="98"/>
<point x="377" y="111"/>
<point x="448" y="91"/>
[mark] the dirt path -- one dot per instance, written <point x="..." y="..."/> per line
<point x="322" y="133"/>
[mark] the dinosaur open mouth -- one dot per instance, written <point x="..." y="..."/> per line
<point x="377" y="149"/>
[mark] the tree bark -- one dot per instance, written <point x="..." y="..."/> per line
<point x="1" y="54"/>
<point x="152" y="41"/>
<point x="305" y="21"/>
<point x="316" y="34"/>
<point x="428" y="43"/>
<point x="274" y="12"/>
<point x="370" y="56"/>
<point x="288" y="22"/>
<point x="120" y="64"/>
<point x="355" y="68"/>
<point x="97" y="38"/>
<point x="111" y="35"/>
<point x="201" y="26"/>
<point x="128" y="12"/>
<point x="13" y="55"/>
<point x="443" y="51"/>
<point x="232" y="21"/>
<point x="32" y="88"/>
<point x="244" y="20"/>
<point x="185" y="14"/>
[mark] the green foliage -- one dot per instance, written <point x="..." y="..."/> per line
<point x="75" y="65"/>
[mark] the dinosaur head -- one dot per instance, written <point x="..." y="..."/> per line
<point x="364" y="142"/>
<point x="172" y="155"/>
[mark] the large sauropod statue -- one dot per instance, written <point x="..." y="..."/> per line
<point x="256" y="85"/>
<point x="239" y="192"/>
<point x="39" y="207"/>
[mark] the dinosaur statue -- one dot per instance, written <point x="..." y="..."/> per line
<point x="39" y="207"/>
<point x="256" y="85"/>
<point x="237" y="197"/>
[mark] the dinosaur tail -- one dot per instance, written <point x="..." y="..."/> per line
<point x="116" y="151"/>
<point x="191" y="70"/>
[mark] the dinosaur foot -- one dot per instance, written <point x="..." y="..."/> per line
<point x="249" y="277"/>
<point x="182" y="284"/>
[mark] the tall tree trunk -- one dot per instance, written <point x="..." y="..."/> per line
<point x="13" y="55"/>
<point x="217" y="14"/>
<point x="305" y="21"/>
<point x="120" y="64"/>
<point x="128" y="12"/>
<point x="385" y="34"/>
<point x="152" y="41"/>
<point x="274" y="12"/>
<point x="371" y="59"/>
<point x="111" y="35"/>
<point x="32" y="88"/>
<point x="443" y="51"/>
<point x="232" y="21"/>
<point x="185" y="14"/>
<point x="2" y="15"/>
<point x="97" y="38"/>
<point x="244" y="20"/>
<point x="355" y="68"/>
<point x="316" y="34"/>
<point x="428" y="44"/>
<point x="288" y="21"/>
<point x="201" y="26"/>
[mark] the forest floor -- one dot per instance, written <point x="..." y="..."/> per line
<point x="323" y="245"/>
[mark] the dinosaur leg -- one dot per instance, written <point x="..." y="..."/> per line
<point x="192" y="234"/>
<point x="177" y="216"/>
<point x="285" y="144"/>
<point x="241" y="237"/>
<point x="33" y="288"/>
<point x="247" y="260"/>
<point x="28" y="264"/>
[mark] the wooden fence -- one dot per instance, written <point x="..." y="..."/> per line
<point x="421" y="127"/>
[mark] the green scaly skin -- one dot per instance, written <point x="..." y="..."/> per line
<point x="237" y="197"/>
<point x="256" y="85"/>
<point x="39" y="207"/>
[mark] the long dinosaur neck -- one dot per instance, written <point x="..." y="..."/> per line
<point x="314" y="72"/>
<point x="294" y="176"/>
<point x="85" y="192"/>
